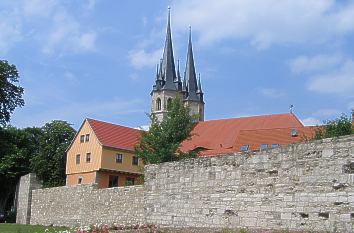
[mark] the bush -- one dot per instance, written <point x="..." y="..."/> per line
<point x="334" y="128"/>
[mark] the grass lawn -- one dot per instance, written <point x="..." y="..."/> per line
<point x="18" y="228"/>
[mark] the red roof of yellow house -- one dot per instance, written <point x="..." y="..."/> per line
<point x="221" y="136"/>
<point x="115" y="136"/>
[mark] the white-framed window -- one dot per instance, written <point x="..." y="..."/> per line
<point x="87" y="137"/>
<point x="82" y="138"/>
<point x="79" y="180"/>
<point x="119" y="158"/>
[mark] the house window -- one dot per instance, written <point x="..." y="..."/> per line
<point x="88" y="158"/>
<point x="78" y="159"/>
<point x="293" y="133"/>
<point x="158" y="104"/>
<point x="113" y="181"/>
<point x="87" y="138"/>
<point x="275" y="145"/>
<point x="82" y="138"/>
<point x="244" y="148"/>
<point x="79" y="180"/>
<point x="264" y="147"/>
<point x="135" y="160"/>
<point x="129" y="181"/>
<point x="119" y="158"/>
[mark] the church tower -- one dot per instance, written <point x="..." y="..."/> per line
<point x="169" y="84"/>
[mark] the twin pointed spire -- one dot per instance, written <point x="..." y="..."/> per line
<point x="168" y="79"/>
<point x="167" y="68"/>
<point x="189" y="73"/>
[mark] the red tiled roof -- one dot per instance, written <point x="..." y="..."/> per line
<point x="115" y="136"/>
<point x="282" y="137"/>
<point x="220" y="136"/>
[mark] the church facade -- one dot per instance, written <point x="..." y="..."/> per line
<point x="169" y="84"/>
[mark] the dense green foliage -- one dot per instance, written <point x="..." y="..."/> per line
<point x="10" y="94"/>
<point x="38" y="150"/>
<point x="334" y="128"/>
<point x="17" y="148"/>
<point x="160" y="144"/>
<point x="49" y="163"/>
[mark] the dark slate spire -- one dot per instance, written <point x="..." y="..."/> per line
<point x="157" y="71"/>
<point x="168" y="65"/>
<point x="160" y="78"/>
<point x="178" y="81"/>
<point x="200" y="91"/>
<point x="189" y="73"/>
<point x="184" y="85"/>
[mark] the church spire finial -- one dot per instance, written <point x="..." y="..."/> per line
<point x="168" y="65"/>
<point x="190" y="33"/>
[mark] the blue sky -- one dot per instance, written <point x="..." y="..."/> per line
<point x="97" y="58"/>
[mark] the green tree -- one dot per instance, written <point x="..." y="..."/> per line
<point x="17" y="147"/>
<point x="10" y="93"/>
<point x="334" y="128"/>
<point x="49" y="163"/>
<point x="160" y="144"/>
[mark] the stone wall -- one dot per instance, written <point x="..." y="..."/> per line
<point x="85" y="205"/>
<point x="27" y="183"/>
<point x="306" y="186"/>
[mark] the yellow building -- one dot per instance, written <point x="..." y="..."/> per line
<point x="103" y="153"/>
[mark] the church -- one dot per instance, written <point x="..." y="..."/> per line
<point x="169" y="84"/>
<point x="103" y="153"/>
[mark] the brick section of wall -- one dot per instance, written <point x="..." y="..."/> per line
<point x="85" y="205"/>
<point x="27" y="183"/>
<point x="306" y="186"/>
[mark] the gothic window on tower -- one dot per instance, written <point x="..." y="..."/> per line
<point x="169" y="102"/>
<point x="158" y="104"/>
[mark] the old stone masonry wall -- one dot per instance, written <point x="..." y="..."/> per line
<point x="306" y="186"/>
<point x="85" y="205"/>
<point x="27" y="183"/>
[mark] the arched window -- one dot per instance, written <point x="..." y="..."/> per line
<point x="169" y="103"/>
<point x="158" y="104"/>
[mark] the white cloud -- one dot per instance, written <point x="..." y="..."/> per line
<point x="87" y="41"/>
<point x="91" y="4"/>
<point x="140" y="58"/>
<point x="143" y="127"/>
<point x="270" y="92"/>
<point x="339" y="81"/>
<point x="265" y="22"/>
<point x="38" y="8"/>
<point x="310" y="121"/>
<point x="327" y="112"/>
<point x="320" y="62"/>
<point x="51" y="24"/>
<point x="67" y="35"/>
<point x="10" y="34"/>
